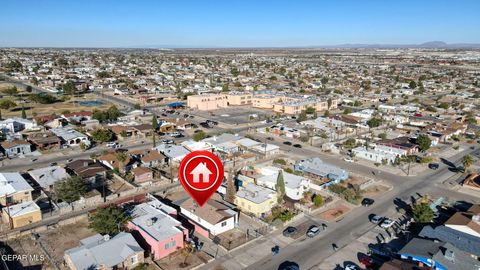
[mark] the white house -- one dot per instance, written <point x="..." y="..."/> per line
<point x="375" y="154"/>
<point x="15" y="124"/>
<point x="213" y="218"/>
<point x="295" y="185"/>
<point x="70" y="136"/>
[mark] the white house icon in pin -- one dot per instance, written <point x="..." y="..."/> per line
<point x="202" y="170"/>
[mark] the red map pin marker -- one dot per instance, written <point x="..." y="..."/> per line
<point x="201" y="173"/>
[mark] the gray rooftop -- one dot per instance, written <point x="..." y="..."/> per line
<point x="67" y="133"/>
<point x="12" y="183"/>
<point x="318" y="167"/>
<point x="95" y="251"/>
<point x="172" y="150"/>
<point x="256" y="194"/>
<point x="460" y="240"/>
<point x="153" y="218"/>
<point x="48" y="176"/>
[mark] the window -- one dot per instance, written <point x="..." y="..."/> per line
<point x="171" y="244"/>
<point x="224" y="224"/>
<point x="134" y="259"/>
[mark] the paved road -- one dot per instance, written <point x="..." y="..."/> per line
<point x="308" y="254"/>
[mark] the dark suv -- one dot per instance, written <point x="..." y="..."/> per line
<point x="433" y="166"/>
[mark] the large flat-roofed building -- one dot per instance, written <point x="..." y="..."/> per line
<point x="14" y="189"/>
<point x="239" y="98"/>
<point x="207" y="102"/>
<point x="266" y="100"/>
<point x="297" y="105"/>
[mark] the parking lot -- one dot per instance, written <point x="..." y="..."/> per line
<point x="235" y="115"/>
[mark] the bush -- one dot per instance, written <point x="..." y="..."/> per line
<point x="318" y="200"/>
<point x="279" y="161"/>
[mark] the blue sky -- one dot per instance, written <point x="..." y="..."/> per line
<point x="236" y="23"/>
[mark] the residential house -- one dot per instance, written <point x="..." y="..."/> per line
<point x="48" y="176"/>
<point x="88" y="170"/>
<point x="22" y="214"/>
<point x="15" y="124"/>
<point x="44" y="140"/>
<point x="14" y="189"/>
<point x="15" y="148"/>
<point x="173" y="152"/>
<point x="438" y="255"/>
<point x="254" y="199"/>
<point x="70" y="136"/>
<point x="117" y="161"/>
<point x="266" y="149"/>
<point x="192" y="145"/>
<point x="224" y="143"/>
<point x="317" y="169"/>
<point x="213" y="218"/>
<point x="152" y="158"/>
<point x="295" y="185"/>
<point x="402" y="143"/>
<point x="102" y="252"/>
<point x="154" y="225"/>
<point x="142" y="174"/>
<point x="467" y="222"/>
<point x="378" y="154"/>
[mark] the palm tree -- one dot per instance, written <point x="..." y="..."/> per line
<point x="467" y="161"/>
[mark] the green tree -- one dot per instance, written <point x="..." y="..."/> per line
<point x="422" y="213"/>
<point x="154" y="122"/>
<point x="34" y="80"/>
<point x="137" y="106"/>
<point x="357" y="103"/>
<point x="69" y="88"/>
<point x="350" y="143"/>
<point x="29" y="89"/>
<point x="467" y="161"/>
<point x="310" y="110"/>
<point x="109" y="220"/>
<point x="318" y="200"/>
<point x="347" y="111"/>
<point x="225" y="88"/>
<point x="412" y="84"/>
<point x="70" y="189"/>
<point x="444" y="105"/>
<point x="7" y="104"/>
<point x="280" y="185"/>
<point x="199" y="136"/>
<point x="374" y="122"/>
<point x="102" y="135"/>
<point x="424" y="142"/>
<point x="231" y="191"/>
<point x="11" y="91"/>
<point x="24" y="114"/>
<point x="382" y="136"/>
<point x="302" y="117"/>
<point x="326" y="113"/>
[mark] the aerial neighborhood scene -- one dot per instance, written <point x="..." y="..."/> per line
<point x="244" y="146"/>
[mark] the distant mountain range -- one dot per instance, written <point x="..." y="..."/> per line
<point x="426" y="45"/>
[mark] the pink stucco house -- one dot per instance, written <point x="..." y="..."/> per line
<point x="155" y="228"/>
<point x="142" y="174"/>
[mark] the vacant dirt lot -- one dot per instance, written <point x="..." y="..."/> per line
<point x="335" y="212"/>
<point x="59" y="239"/>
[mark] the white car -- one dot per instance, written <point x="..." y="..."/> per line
<point x="348" y="159"/>
<point x="112" y="144"/>
<point x="351" y="267"/>
<point x="387" y="223"/>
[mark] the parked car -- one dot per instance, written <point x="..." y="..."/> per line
<point x="376" y="219"/>
<point x="176" y="134"/>
<point x="112" y="145"/>
<point x="297" y="145"/>
<point x="270" y="139"/>
<point x="352" y="266"/>
<point x="287" y="143"/>
<point x="289" y="231"/>
<point x="387" y="223"/>
<point x="167" y="141"/>
<point x="433" y="166"/>
<point x="197" y="131"/>
<point x="53" y="164"/>
<point x="313" y="231"/>
<point x="348" y="159"/>
<point x="367" y="201"/>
